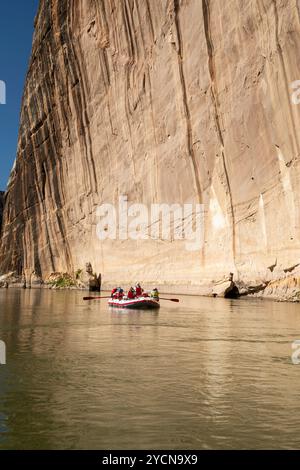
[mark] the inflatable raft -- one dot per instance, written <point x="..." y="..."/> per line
<point x="138" y="303"/>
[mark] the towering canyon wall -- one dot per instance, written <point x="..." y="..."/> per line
<point x="165" y="101"/>
<point x="1" y="207"/>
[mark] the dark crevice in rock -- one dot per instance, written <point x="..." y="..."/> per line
<point x="291" y="268"/>
<point x="254" y="289"/>
<point x="215" y="102"/>
<point x="273" y="266"/>
<point x="79" y="95"/>
<point x="185" y="100"/>
<point x="287" y="81"/>
<point x="232" y="293"/>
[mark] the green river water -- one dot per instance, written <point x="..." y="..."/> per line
<point x="202" y="374"/>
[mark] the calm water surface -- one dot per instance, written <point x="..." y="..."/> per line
<point x="203" y="374"/>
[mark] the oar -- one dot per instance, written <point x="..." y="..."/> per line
<point x="108" y="297"/>
<point x="94" y="298"/>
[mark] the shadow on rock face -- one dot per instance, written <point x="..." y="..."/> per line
<point x="226" y="288"/>
<point x="232" y="292"/>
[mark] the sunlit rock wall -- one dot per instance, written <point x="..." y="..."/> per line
<point x="1" y="207"/>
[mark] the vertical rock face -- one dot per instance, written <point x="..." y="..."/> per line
<point x="165" y="101"/>
<point x="1" y="207"/>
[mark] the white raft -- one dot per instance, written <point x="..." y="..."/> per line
<point x="137" y="303"/>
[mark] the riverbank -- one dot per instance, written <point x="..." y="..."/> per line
<point x="286" y="289"/>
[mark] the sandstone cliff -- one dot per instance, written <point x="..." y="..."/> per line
<point x="1" y="207"/>
<point x="161" y="101"/>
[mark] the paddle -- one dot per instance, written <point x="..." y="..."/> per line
<point x="108" y="297"/>
<point x="94" y="298"/>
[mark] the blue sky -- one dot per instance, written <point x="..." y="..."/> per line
<point x="16" y="29"/>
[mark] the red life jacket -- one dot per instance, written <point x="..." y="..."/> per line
<point x="138" y="291"/>
<point x="130" y="294"/>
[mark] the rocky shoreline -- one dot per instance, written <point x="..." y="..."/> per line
<point x="81" y="279"/>
<point x="285" y="289"/>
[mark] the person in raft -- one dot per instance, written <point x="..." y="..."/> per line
<point x="114" y="292"/>
<point x="117" y="293"/>
<point x="155" y="294"/>
<point x="121" y="293"/>
<point x="131" y="293"/>
<point x="138" y="290"/>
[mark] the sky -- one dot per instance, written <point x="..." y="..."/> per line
<point x="16" y="30"/>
